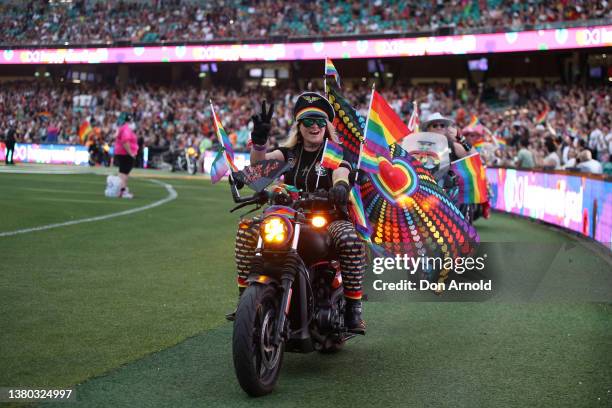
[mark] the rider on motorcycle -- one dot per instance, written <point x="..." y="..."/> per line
<point x="437" y="123"/>
<point x="458" y="144"/>
<point x="303" y="150"/>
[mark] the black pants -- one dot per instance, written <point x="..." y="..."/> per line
<point x="10" y="151"/>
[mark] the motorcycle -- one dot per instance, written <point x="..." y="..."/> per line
<point x="99" y="153"/>
<point x="294" y="301"/>
<point x="186" y="160"/>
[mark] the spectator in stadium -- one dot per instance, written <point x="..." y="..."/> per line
<point x="312" y="115"/>
<point x="587" y="164"/>
<point x="59" y="22"/>
<point x="551" y="161"/>
<point x="9" y="141"/>
<point x="126" y="149"/>
<point x="524" y="158"/>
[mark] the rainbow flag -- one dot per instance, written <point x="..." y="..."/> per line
<point x="219" y="167"/>
<point x="84" y="131"/>
<point x="369" y="160"/>
<point x="357" y="213"/>
<point x="384" y="128"/>
<point x="478" y="145"/>
<point x="332" y="155"/>
<point x="473" y="121"/>
<point x="384" y="123"/>
<point x="471" y="179"/>
<point x="330" y="70"/>
<point x="500" y="142"/>
<point x="541" y="118"/>
<point x="226" y="145"/>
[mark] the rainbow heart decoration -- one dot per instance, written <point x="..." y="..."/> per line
<point x="395" y="179"/>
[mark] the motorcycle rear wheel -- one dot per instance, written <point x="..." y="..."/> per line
<point x="257" y="361"/>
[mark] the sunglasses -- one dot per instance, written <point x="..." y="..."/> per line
<point x="438" y="126"/>
<point x="308" y="122"/>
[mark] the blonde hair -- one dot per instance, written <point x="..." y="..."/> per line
<point x="295" y="137"/>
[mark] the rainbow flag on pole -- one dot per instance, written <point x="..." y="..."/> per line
<point x="471" y="179"/>
<point x="84" y="131"/>
<point x="332" y="155"/>
<point x="384" y="123"/>
<point x="383" y="128"/>
<point x="413" y="122"/>
<point x="500" y="142"/>
<point x="541" y="118"/>
<point x="219" y="168"/>
<point x="330" y="70"/>
<point x="473" y="121"/>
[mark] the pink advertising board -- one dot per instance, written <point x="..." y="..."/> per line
<point x="573" y="201"/>
<point x="553" y="39"/>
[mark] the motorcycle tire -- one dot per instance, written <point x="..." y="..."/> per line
<point x="257" y="362"/>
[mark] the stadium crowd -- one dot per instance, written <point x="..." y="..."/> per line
<point x="181" y="20"/>
<point x="518" y="125"/>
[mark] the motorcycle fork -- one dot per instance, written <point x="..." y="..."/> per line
<point x="287" y="288"/>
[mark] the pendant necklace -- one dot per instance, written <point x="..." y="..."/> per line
<point x="309" y="169"/>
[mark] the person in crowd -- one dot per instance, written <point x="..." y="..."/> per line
<point x="587" y="164"/>
<point x="524" y="158"/>
<point x="551" y="161"/>
<point x="437" y="123"/>
<point x="126" y="149"/>
<point x="9" y="141"/>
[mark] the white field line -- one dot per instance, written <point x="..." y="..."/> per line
<point x="172" y="194"/>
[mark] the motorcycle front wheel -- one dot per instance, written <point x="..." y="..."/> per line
<point x="257" y="361"/>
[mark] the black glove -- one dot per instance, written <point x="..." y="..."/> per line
<point x="338" y="194"/>
<point x="261" y="125"/>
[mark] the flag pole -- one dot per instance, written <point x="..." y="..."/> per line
<point x="365" y="129"/>
<point x="325" y="78"/>
<point x="320" y="165"/>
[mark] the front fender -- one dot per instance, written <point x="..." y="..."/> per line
<point x="261" y="279"/>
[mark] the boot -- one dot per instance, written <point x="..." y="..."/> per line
<point x="232" y="316"/>
<point x="352" y="317"/>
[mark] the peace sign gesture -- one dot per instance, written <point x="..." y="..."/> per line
<point x="261" y="124"/>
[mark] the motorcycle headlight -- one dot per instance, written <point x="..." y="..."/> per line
<point x="318" y="221"/>
<point x="275" y="230"/>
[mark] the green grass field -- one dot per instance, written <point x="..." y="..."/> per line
<point x="129" y="310"/>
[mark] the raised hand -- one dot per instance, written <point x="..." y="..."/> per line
<point x="261" y="124"/>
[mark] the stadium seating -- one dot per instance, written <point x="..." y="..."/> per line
<point x="137" y="21"/>
<point x="574" y="116"/>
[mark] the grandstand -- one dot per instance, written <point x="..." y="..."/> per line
<point x="89" y="22"/>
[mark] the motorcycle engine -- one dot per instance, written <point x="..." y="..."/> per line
<point x="328" y="316"/>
